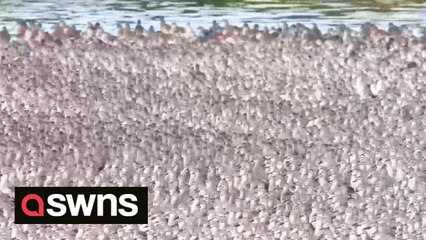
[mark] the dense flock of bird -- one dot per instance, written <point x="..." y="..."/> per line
<point x="239" y="133"/>
<point x="34" y="34"/>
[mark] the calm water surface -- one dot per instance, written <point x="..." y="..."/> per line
<point x="202" y="13"/>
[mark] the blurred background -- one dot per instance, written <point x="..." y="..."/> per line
<point x="325" y="13"/>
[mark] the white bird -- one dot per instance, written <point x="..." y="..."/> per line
<point x="5" y="185"/>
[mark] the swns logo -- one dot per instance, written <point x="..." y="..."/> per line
<point x="81" y="205"/>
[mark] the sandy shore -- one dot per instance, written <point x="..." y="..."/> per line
<point x="282" y="139"/>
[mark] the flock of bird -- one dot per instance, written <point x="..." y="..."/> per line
<point x="286" y="139"/>
<point x="227" y="33"/>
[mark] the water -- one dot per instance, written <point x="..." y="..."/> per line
<point x="202" y="13"/>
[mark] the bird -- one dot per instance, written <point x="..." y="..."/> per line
<point x="22" y="28"/>
<point x="44" y="37"/>
<point x="90" y="31"/>
<point x="105" y="37"/>
<point x="71" y="32"/>
<point x="203" y="33"/>
<point x="394" y="30"/>
<point x="58" y="32"/>
<point x="139" y="30"/>
<point x="316" y="32"/>
<point x="228" y="27"/>
<point x="4" y="35"/>
<point x="245" y="30"/>
<point x="175" y="29"/>
<point x="189" y="32"/>
<point x="120" y="30"/>
<point x="419" y="31"/>
<point x="366" y="29"/>
<point x="30" y="33"/>
<point x="164" y="27"/>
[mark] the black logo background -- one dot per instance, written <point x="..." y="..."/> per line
<point x="140" y="218"/>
